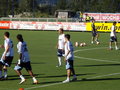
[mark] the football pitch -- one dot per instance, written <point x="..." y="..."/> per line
<point x="97" y="68"/>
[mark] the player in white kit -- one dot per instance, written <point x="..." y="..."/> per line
<point x="24" y="60"/>
<point x="113" y="37"/>
<point x="60" y="46"/>
<point x="7" y="56"/>
<point x="69" y="59"/>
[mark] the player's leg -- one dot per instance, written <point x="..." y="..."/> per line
<point x="68" y="72"/>
<point x="59" y="61"/>
<point x="92" y="39"/>
<point x="59" y="57"/>
<point x="35" y="81"/>
<point x="68" y="76"/>
<point x="110" y="43"/>
<point x="8" y="62"/>
<point x="18" y="69"/>
<point x="73" y="71"/>
<point x="5" y="72"/>
<point x="96" y="38"/>
<point x="1" y="71"/>
<point x="29" y="69"/>
<point x="116" y="44"/>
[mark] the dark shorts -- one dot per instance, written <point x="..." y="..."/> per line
<point x="69" y="64"/>
<point x="94" y="34"/>
<point x="8" y="61"/>
<point x="26" y="65"/>
<point x="60" y="53"/>
<point x="113" y="39"/>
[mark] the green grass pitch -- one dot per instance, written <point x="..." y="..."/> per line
<point x="96" y="67"/>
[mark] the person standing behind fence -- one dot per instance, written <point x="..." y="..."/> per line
<point x="87" y="18"/>
<point x="81" y="16"/>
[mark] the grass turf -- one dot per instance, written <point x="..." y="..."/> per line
<point x="41" y="46"/>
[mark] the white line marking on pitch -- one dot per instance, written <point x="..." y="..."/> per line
<point x="104" y="75"/>
<point x="89" y="49"/>
<point x="92" y="59"/>
<point x="43" y="86"/>
<point x="112" y="74"/>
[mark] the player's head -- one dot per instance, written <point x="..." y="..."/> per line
<point x="61" y="31"/>
<point x="67" y="37"/>
<point x="20" y="38"/>
<point x="114" y="23"/>
<point x="6" y="35"/>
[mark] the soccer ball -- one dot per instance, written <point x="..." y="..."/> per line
<point x="76" y="44"/>
<point x="84" y="44"/>
<point x="81" y="44"/>
<point x="97" y="43"/>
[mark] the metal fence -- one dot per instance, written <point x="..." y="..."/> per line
<point x="40" y="19"/>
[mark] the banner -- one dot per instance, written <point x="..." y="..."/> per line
<point x="104" y="27"/>
<point x="4" y="24"/>
<point x="48" y="25"/>
<point x="68" y="26"/>
<point x="104" y="16"/>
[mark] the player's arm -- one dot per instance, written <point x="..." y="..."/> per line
<point x="6" y="50"/>
<point x="68" y="48"/>
<point x="20" y="54"/>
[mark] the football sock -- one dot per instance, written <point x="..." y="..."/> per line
<point x="5" y="73"/>
<point x="116" y="47"/>
<point x="34" y="79"/>
<point x="68" y="78"/>
<point x="21" y="76"/>
<point x="0" y="74"/>
<point x="110" y="47"/>
<point x="59" y="60"/>
<point x="74" y="76"/>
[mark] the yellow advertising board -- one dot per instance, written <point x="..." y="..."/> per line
<point x="103" y="27"/>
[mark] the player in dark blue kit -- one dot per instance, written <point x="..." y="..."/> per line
<point x="94" y="33"/>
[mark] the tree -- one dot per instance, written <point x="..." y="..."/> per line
<point x="61" y="4"/>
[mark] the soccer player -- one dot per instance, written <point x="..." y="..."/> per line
<point x="60" y="46"/>
<point x="7" y="56"/>
<point x="113" y="37"/>
<point x="24" y="60"/>
<point x="94" y="33"/>
<point x="69" y="59"/>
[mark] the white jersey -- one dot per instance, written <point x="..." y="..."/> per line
<point x="22" y="49"/>
<point x="113" y="31"/>
<point x="61" y="41"/>
<point x="69" y="47"/>
<point x="8" y="43"/>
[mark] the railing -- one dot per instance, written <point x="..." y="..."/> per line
<point x="40" y="19"/>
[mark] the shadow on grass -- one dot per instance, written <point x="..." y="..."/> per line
<point x="16" y="77"/>
<point x="33" y="63"/>
<point x="98" y="65"/>
<point x="24" y="75"/>
<point x="102" y="79"/>
<point x="51" y="82"/>
<point x="66" y="75"/>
